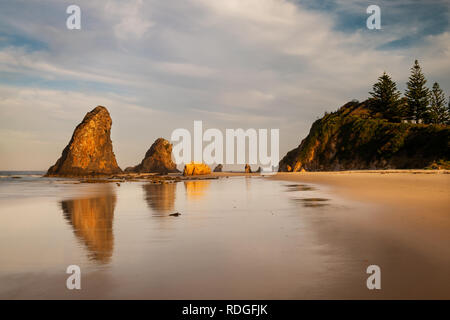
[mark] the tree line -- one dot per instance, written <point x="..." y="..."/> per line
<point x="419" y="104"/>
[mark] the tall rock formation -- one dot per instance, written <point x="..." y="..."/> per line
<point x="158" y="159"/>
<point x="352" y="138"/>
<point x="247" y="168"/>
<point x="90" y="151"/>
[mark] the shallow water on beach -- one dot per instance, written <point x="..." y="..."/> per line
<point x="236" y="238"/>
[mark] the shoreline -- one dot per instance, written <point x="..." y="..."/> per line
<point x="414" y="189"/>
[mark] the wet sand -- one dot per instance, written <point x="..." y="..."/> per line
<point x="410" y="222"/>
<point x="242" y="237"/>
<point x="417" y="190"/>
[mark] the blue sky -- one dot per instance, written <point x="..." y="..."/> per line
<point x="423" y="17"/>
<point x="160" y="65"/>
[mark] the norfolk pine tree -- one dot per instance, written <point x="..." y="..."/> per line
<point x="437" y="113"/>
<point x="448" y="111"/>
<point x="417" y="95"/>
<point x="385" y="99"/>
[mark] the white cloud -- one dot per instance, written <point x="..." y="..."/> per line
<point x="131" y="21"/>
<point x="247" y="63"/>
<point x="185" y="69"/>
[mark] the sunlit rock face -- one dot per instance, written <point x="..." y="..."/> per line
<point x="158" y="159"/>
<point x="90" y="151"/>
<point x="92" y="221"/>
<point x="193" y="169"/>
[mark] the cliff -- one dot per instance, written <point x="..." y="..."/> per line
<point x="351" y="139"/>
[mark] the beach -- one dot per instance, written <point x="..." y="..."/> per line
<point x="417" y="190"/>
<point x="410" y="209"/>
<point x="237" y="236"/>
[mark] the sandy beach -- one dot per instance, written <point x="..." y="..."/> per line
<point x="239" y="236"/>
<point x="411" y="209"/>
<point x="417" y="190"/>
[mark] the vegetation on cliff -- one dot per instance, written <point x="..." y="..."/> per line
<point x="351" y="139"/>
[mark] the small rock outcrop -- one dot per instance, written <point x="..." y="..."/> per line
<point x="248" y="169"/>
<point x="194" y="169"/>
<point x="90" y="151"/>
<point x="176" y="214"/>
<point x="158" y="159"/>
<point x="218" y="168"/>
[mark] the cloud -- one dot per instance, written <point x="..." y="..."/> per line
<point x="131" y="20"/>
<point x="248" y="63"/>
<point x="185" y="69"/>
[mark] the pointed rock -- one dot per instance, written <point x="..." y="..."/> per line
<point x="158" y="159"/>
<point x="218" y="168"/>
<point x="248" y="169"/>
<point x="90" y="151"/>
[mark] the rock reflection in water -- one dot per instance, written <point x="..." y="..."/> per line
<point x="196" y="189"/>
<point x="299" y="187"/>
<point x="92" y="221"/>
<point x="160" y="197"/>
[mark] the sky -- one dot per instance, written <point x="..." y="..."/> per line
<point x="160" y="65"/>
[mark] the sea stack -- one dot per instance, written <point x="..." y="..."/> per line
<point x="158" y="159"/>
<point x="248" y="169"/>
<point x="90" y="151"/>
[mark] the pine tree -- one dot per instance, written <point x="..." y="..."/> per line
<point x="417" y="94"/>
<point x="448" y="111"/>
<point x="385" y="98"/>
<point x="438" y="112"/>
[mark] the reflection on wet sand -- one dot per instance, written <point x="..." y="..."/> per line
<point x="92" y="221"/>
<point x="227" y="244"/>
<point x="196" y="189"/>
<point x="160" y="197"/>
<point x="299" y="187"/>
<point x="313" y="202"/>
